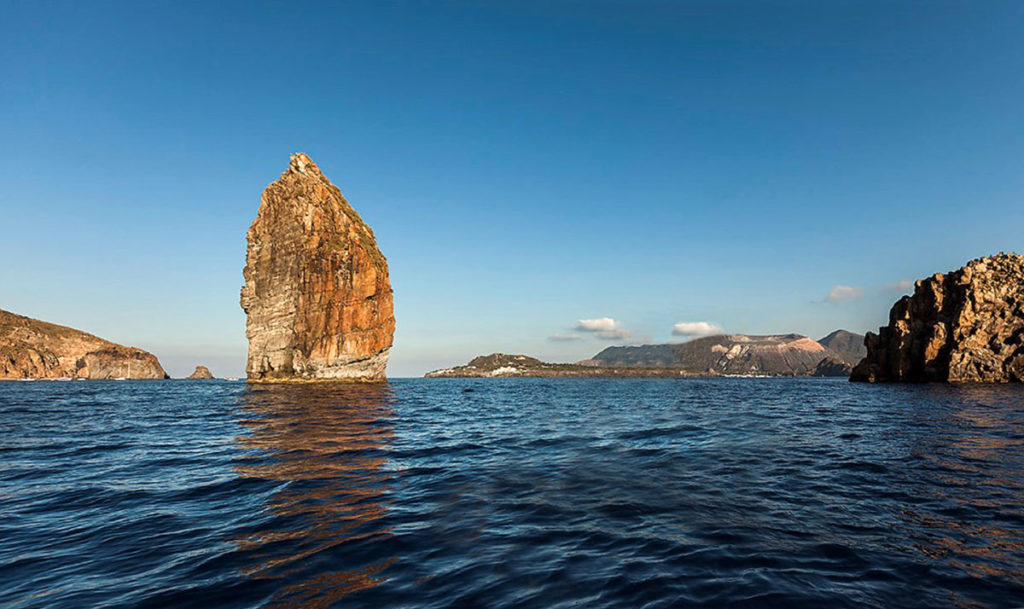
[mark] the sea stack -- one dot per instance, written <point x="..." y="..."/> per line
<point x="965" y="326"/>
<point x="33" y="349"/>
<point x="201" y="373"/>
<point x="317" y="296"/>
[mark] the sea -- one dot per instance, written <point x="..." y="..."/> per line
<point x="501" y="493"/>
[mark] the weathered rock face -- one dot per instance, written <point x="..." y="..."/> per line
<point x="201" y="373"/>
<point x="965" y="326"/>
<point x="317" y="293"/>
<point x="33" y="349"/>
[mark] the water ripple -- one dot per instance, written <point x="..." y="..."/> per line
<point x="511" y="493"/>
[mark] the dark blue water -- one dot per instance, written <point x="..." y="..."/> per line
<point x="511" y="493"/>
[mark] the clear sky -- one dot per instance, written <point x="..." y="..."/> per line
<point x="525" y="165"/>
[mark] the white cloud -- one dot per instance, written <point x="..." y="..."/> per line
<point x="601" y="324"/>
<point x="564" y="337"/>
<point x="696" y="328"/>
<point x="844" y="292"/>
<point x="617" y="334"/>
<point x="604" y="328"/>
<point x="903" y="285"/>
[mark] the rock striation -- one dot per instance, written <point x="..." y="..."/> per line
<point x="317" y="294"/>
<point x="966" y="326"/>
<point x="201" y="373"/>
<point x="33" y="349"/>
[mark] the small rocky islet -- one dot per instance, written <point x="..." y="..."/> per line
<point x="201" y="373"/>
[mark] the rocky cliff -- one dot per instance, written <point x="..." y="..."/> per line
<point x="33" y="349"/>
<point x="201" y="373"/>
<point x="317" y="296"/>
<point x="964" y="326"/>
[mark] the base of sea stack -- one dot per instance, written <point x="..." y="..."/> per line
<point x="367" y="370"/>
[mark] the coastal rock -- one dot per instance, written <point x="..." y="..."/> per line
<point x="965" y="326"/>
<point x="317" y="295"/>
<point x="201" y="373"/>
<point x="33" y="349"/>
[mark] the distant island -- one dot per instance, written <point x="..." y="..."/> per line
<point x="722" y="355"/>
<point x="33" y="349"/>
<point x="201" y="373"/>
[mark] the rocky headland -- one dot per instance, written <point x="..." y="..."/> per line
<point x="317" y="294"/>
<point x="965" y="326"/>
<point x="33" y="349"/>
<point x="201" y="373"/>
<point x="725" y="355"/>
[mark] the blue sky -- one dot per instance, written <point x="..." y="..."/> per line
<point x="524" y="165"/>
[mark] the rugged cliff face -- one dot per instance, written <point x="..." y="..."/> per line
<point x="317" y="294"/>
<point x="33" y="349"/>
<point x="201" y="373"/>
<point x="965" y="326"/>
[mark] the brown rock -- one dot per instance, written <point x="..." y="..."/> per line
<point x="317" y="295"/>
<point x="963" y="327"/>
<point x="33" y="349"/>
<point x="201" y="373"/>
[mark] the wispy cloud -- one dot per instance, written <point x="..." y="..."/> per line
<point x="565" y="337"/>
<point x="617" y="334"/>
<point x="601" y="324"/>
<point x="603" y="328"/>
<point x="844" y="292"/>
<point x="903" y="285"/>
<point x="696" y="328"/>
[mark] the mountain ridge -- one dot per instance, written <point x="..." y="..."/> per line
<point x="718" y="355"/>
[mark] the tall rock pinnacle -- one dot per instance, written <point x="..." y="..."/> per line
<point x="317" y="296"/>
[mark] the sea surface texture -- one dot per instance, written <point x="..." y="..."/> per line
<point x="511" y="493"/>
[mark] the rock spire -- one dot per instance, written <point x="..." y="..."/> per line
<point x="317" y="295"/>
